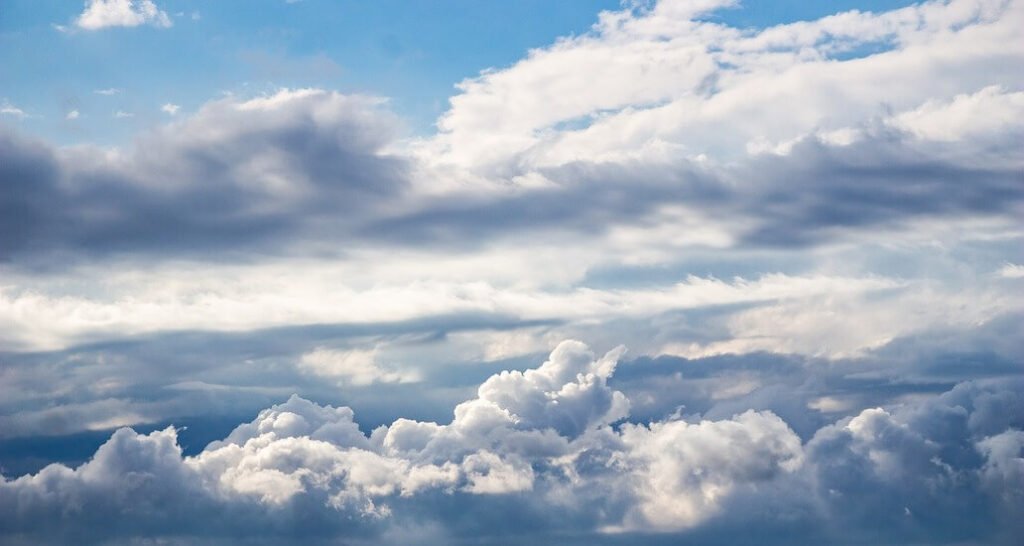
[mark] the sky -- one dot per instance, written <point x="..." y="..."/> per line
<point x="589" y="272"/>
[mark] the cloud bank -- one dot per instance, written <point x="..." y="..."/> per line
<point x="554" y="440"/>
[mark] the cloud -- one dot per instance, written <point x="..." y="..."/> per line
<point x="101" y="14"/>
<point x="108" y="91"/>
<point x="550" y="433"/>
<point x="264" y="297"/>
<point x="1011" y="271"/>
<point x="72" y="115"/>
<point x="965" y="116"/>
<point x="8" y="109"/>
<point x="356" y="366"/>
<point x="657" y="79"/>
<point x="694" y="139"/>
<point x="807" y="234"/>
<point x="702" y="165"/>
<point x="279" y="159"/>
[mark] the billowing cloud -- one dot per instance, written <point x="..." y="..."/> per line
<point x="548" y="437"/>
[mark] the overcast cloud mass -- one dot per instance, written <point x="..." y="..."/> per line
<point x="686" y="274"/>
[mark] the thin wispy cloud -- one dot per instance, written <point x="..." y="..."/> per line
<point x="8" y="109"/>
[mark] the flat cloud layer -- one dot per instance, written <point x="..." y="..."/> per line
<point x="808" y="235"/>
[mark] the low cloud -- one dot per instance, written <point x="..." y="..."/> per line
<point x="551" y="437"/>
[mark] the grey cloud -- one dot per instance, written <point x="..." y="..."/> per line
<point x="29" y="174"/>
<point x="815" y="194"/>
<point x="916" y="470"/>
<point x="310" y="170"/>
<point x="236" y="175"/>
<point x="881" y="182"/>
<point x="588" y="198"/>
<point x="182" y="375"/>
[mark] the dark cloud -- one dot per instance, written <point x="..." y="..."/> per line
<point x="237" y="175"/>
<point x="880" y="182"/>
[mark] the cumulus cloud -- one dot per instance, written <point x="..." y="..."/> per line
<point x="552" y="432"/>
<point x="101" y="14"/>
<point x="297" y="451"/>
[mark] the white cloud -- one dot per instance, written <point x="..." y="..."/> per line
<point x="171" y="109"/>
<point x="121" y="114"/>
<point x="72" y="115"/>
<point x="543" y="439"/>
<point x="355" y="367"/>
<point x="1011" y="271"/>
<point x="967" y="115"/>
<point x="842" y="326"/>
<point x="108" y="91"/>
<point x="649" y="79"/>
<point x="101" y="14"/>
<point x="238" y="299"/>
<point x="8" y="109"/>
<point x="685" y="471"/>
<point x="552" y="416"/>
